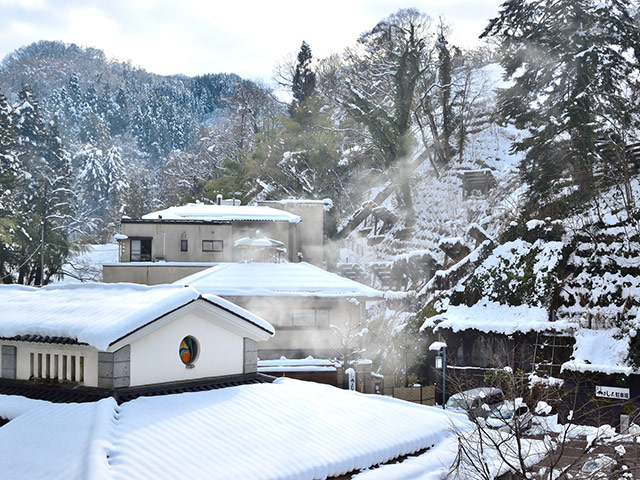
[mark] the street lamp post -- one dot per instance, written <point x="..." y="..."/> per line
<point x="441" y="364"/>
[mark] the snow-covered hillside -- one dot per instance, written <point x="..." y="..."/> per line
<point x="440" y="207"/>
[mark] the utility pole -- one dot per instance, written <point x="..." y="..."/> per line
<point x="43" y="225"/>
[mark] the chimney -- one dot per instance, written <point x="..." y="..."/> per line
<point x="219" y="199"/>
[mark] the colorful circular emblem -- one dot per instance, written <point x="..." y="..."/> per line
<point x="188" y="350"/>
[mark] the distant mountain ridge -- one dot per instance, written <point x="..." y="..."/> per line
<point x="77" y="84"/>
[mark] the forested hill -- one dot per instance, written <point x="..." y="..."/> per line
<point x="96" y="99"/>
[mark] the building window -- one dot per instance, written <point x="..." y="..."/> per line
<point x="58" y="368"/>
<point x="141" y="249"/>
<point x="310" y="317"/>
<point x="188" y="351"/>
<point x="184" y="245"/>
<point x="211" y="245"/>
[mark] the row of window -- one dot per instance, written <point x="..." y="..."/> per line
<point x="141" y="248"/>
<point x="56" y="367"/>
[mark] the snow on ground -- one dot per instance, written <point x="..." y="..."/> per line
<point x="436" y="463"/>
<point x="286" y="430"/>
<point x="86" y="265"/>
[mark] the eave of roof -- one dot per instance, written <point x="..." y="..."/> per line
<point x="181" y="221"/>
<point x="70" y="393"/>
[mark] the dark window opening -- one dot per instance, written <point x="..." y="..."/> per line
<point x="211" y="245"/>
<point x="184" y="245"/>
<point x="140" y="249"/>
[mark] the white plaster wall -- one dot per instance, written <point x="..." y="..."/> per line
<point x="155" y="358"/>
<point x="23" y="350"/>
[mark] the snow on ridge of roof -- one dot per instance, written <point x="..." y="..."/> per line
<point x="256" y="430"/>
<point x="97" y="314"/>
<point x="240" y="312"/>
<point x="202" y="212"/>
<point x="275" y="279"/>
<point x="493" y="317"/>
<point x="94" y="313"/>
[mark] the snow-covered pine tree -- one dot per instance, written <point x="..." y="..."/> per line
<point x="304" y="79"/>
<point x="8" y="176"/>
<point x="115" y="175"/>
<point x="573" y="64"/>
<point x="44" y="203"/>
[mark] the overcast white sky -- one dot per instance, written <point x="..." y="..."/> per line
<point x="194" y="37"/>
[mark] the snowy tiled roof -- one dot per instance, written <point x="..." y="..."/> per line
<point x="275" y="279"/>
<point x="94" y="313"/>
<point x="287" y="429"/>
<point x="201" y="212"/>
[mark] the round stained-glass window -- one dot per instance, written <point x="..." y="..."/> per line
<point x="188" y="350"/>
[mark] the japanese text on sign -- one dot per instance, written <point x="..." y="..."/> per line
<point x="612" y="392"/>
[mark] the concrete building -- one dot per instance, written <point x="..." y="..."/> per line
<point x="313" y="311"/>
<point x="164" y="246"/>
<point x="124" y="336"/>
<point x="310" y="230"/>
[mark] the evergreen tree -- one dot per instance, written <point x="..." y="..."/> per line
<point x="444" y="80"/>
<point x="572" y="63"/>
<point x="8" y="176"/>
<point x="44" y="205"/>
<point x="304" y="80"/>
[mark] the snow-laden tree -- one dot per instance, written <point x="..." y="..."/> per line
<point x="9" y="171"/>
<point x="303" y="82"/>
<point x="379" y="83"/>
<point x="44" y="200"/>
<point x="101" y="185"/>
<point x="574" y="67"/>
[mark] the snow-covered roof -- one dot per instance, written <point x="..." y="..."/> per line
<point x="287" y="429"/>
<point x="492" y="317"/>
<point x="308" y="364"/>
<point x="603" y="350"/>
<point x="209" y="213"/>
<point x="275" y="279"/>
<point x="94" y="313"/>
<point x="299" y="201"/>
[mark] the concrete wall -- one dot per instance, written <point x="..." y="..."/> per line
<point x="8" y="361"/>
<point x="149" y="274"/>
<point x="310" y="231"/>
<point x="298" y="341"/>
<point x="114" y="368"/>
<point x="155" y="357"/>
<point x="166" y="239"/>
<point x="83" y="357"/>
<point x="250" y="356"/>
